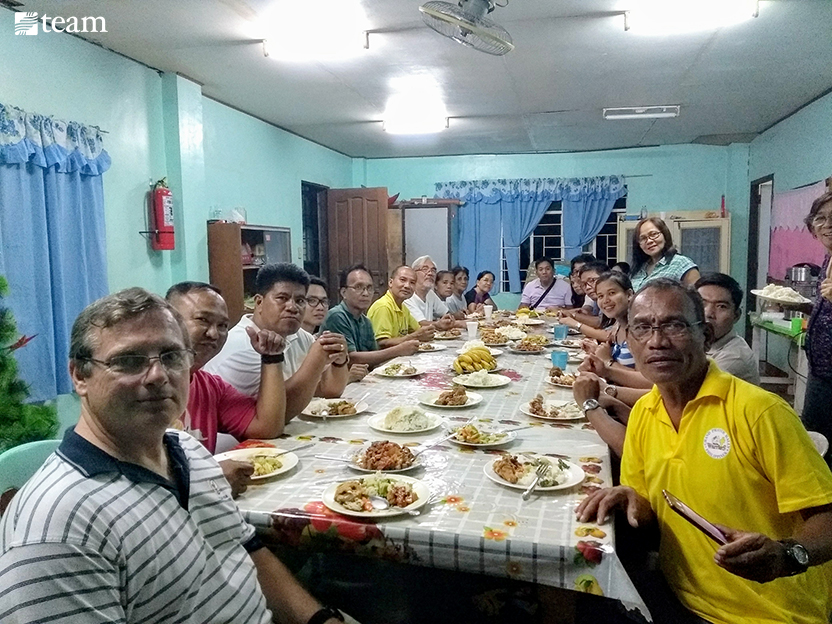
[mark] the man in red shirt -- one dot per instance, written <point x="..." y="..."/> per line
<point x="213" y="404"/>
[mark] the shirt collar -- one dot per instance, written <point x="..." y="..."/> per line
<point x="716" y="384"/>
<point x="91" y="461"/>
<point x="723" y="341"/>
<point x="393" y="300"/>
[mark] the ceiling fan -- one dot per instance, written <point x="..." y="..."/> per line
<point x="466" y="23"/>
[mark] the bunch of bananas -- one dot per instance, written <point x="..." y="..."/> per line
<point x="476" y="359"/>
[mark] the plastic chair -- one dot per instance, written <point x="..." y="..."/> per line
<point x="820" y="442"/>
<point x="21" y="462"/>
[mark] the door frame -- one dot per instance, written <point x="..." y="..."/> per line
<point x="752" y="257"/>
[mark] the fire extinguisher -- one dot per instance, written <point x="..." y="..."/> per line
<point x="161" y="216"/>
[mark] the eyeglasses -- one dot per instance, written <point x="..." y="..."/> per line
<point x="425" y="269"/>
<point x="362" y="290"/>
<point x="653" y="236"/>
<point x="314" y="302"/>
<point x="176" y="361"/>
<point x="821" y="220"/>
<point x="591" y="280"/>
<point x="669" y="329"/>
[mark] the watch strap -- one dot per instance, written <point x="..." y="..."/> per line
<point x="589" y="405"/>
<point x="276" y="358"/>
<point x="325" y="613"/>
<point x="796" y="555"/>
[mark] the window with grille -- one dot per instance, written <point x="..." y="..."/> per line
<point x="547" y="240"/>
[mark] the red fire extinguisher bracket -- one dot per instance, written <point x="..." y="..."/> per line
<point x="162" y="235"/>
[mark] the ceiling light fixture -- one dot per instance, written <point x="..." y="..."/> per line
<point x="673" y="17"/>
<point x="642" y="112"/>
<point x="415" y="113"/>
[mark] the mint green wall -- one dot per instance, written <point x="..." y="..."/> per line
<point x="251" y="164"/>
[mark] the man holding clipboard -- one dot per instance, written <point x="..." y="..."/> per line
<point x="739" y="457"/>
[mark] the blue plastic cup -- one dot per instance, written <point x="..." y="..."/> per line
<point x="561" y="331"/>
<point x="560" y="358"/>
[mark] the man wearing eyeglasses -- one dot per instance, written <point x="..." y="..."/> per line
<point x="129" y="521"/>
<point x="735" y="454"/>
<point x="312" y="366"/>
<point x="349" y="318"/>
<point x="424" y="304"/>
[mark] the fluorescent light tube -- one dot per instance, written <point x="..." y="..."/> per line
<point x="642" y="112"/>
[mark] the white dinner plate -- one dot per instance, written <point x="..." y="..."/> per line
<point x="524" y="352"/>
<point x="288" y="460"/>
<point x="317" y="404"/>
<point x="380" y="372"/>
<point x="429" y="397"/>
<point x="354" y="463"/>
<point x="509" y="436"/>
<point x="559" y="385"/>
<point x="377" y="422"/>
<point x="421" y="489"/>
<point x="759" y="293"/>
<point x="529" y="321"/>
<point x="567" y="344"/>
<point x="494" y="352"/>
<point x="434" y="347"/>
<point x="444" y="336"/>
<point x="549" y="403"/>
<point x="574" y="476"/>
<point x="464" y="380"/>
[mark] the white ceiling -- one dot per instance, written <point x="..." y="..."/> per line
<point x="572" y="59"/>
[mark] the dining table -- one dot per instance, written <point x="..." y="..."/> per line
<point x="470" y="522"/>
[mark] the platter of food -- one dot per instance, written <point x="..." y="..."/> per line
<point x="429" y="347"/>
<point x="557" y="377"/>
<point x="335" y="408"/>
<point x="405" y="419"/>
<point x="353" y="497"/>
<point x="567" y="344"/>
<point x="268" y="462"/>
<point x="518" y="471"/>
<point x="780" y="294"/>
<point x="552" y="409"/>
<point x="529" y="321"/>
<point x="451" y="334"/>
<point x="384" y="456"/>
<point x="481" y="379"/>
<point x="481" y="436"/>
<point x="453" y="398"/>
<point x="399" y="370"/>
<point x="531" y="344"/>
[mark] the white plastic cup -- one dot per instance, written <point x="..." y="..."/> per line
<point x="472" y="326"/>
<point x="488" y="309"/>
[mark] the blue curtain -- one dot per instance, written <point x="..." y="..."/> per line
<point x="52" y="245"/>
<point x="515" y="207"/>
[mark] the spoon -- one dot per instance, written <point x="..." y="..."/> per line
<point x="379" y="503"/>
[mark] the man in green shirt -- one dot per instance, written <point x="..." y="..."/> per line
<point x="349" y="318"/>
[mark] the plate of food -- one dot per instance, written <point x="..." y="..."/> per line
<point x="268" y="462"/>
<point x="481" y="436"/>
<point x="552" y="409"/>
<point x="428" y="347"/>
<point x="474" y="345"/>
<point x="780" y="294"/>
<point x="453" y="398"/>
<point x="384" y="456"/>
<point x="405" y="419"/>
<point x="531" y="344"/>
<point x="529" y="321"/>
<point x="518" y="471"/>
<point x="481" y="379"/>
<point x="492" y="338"/>
<point x="557" y="377"/>
<point x="510" y="332"/>
<point x="336" y="408"/>
<point x="398" y="369"/>
<point x="567" y="344"/>
<point x="355" y="497"/>
<point x="451" y="334"/>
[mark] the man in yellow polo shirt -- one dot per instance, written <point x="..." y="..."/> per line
<point x="735" y="454"/>
<point x="392" y="322"/>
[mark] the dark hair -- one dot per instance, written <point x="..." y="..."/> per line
<point x="639" y="257"/>
<point x="345" y="274"/>
<point x="111" y="310"/>
<point x="665" y="284"/>
<point x="819" y="203"/>
<point x="581" y="259"/>
<point x="271" y="274"/>
<point x="484" y="273"/>
<point x="723" y="281"/>
<point x="314" y="280"/>
<point x="599" y="267"/>
<point x="623" y="266"/>
<point x="399" y="268"/>
<point x="614" y="276"/>
<point x="183" y="288"/>
<point x="460" y="269"/>
<point x="441" y="274"/>
<point x="543" y="259"/>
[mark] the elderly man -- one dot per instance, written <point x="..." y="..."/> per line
<point x="349" y="318"/>
<point x="392" y="321"/>
<point x="546" y="291"/>
<point x="313" y="367"/>
<point x="215" y="405"/>
<point x="424" y="304"/>
<point x="723" y="308"/>
<point x="128" y="522"/>
<point x="739" y="457"/>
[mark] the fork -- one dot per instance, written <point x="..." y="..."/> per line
<point x="538" y="475"/>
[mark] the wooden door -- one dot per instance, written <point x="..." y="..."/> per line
<point x="357" y="232"/>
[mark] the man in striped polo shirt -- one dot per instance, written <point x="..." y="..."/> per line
<point x="128" y="522"/>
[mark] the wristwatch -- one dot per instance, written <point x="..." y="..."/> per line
<point x="797" y="557"/>
<point x="324" y="614"/>
<point x="611" y="390"/>
<point x="589" y="405"/>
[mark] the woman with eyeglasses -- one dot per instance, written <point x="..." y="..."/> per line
<point x="478" y="296"/>
<point x="655" y="256"/>
<point x="817" y="415"/>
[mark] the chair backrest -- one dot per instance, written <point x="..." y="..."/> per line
<point x="21" y="462"/>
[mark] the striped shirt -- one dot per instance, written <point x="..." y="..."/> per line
<point x="93" y="539"/>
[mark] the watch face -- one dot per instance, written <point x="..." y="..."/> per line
<point x="800" y="554"/>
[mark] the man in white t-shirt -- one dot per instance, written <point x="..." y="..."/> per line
<point x="425" y="305"/>
<point x="312" y="367"/>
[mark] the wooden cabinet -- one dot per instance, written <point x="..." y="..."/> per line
<point x="235" y="253"/>
<point x="706" y="241"/>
